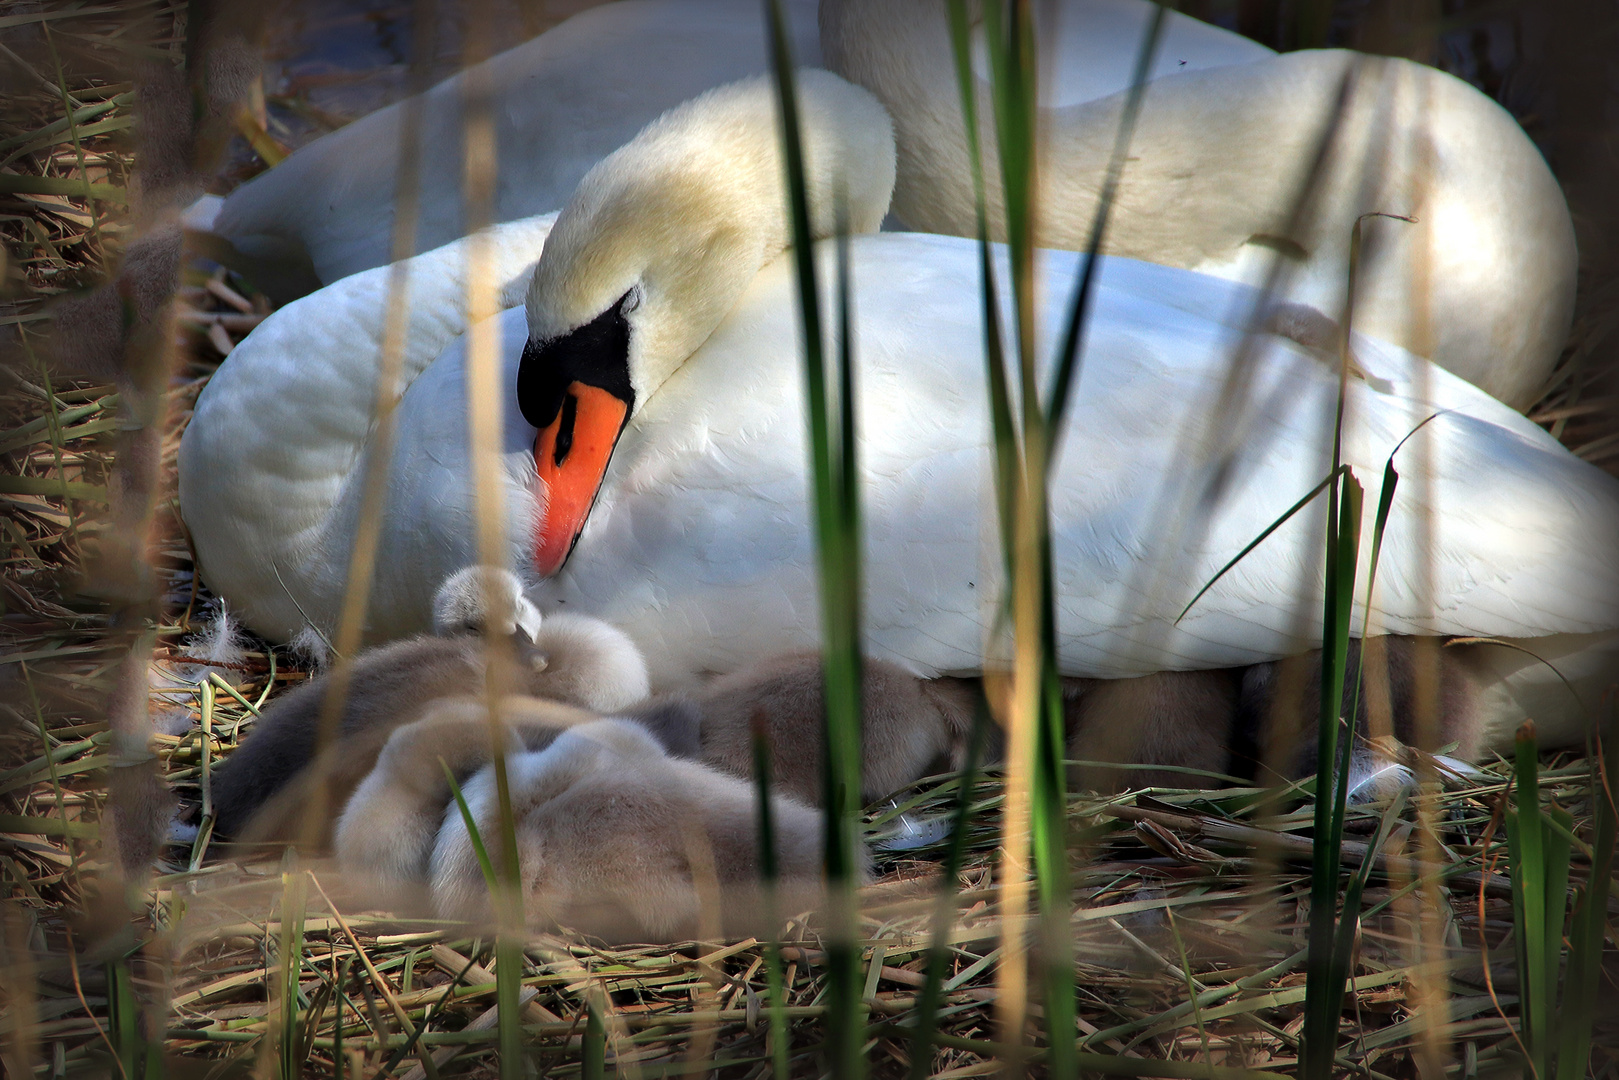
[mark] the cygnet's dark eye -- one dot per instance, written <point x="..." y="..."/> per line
<point x="596" y="354"/>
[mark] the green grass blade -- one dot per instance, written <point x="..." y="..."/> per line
<point x="1036" y="750"/>
<point x="1050" y="835"/>
<point x="1261" y="538"/>
<point x="1340" y="601"/>
<point x="1385" y="504"/>
<point x="288" y="969"/>
<point x="927" y="1008"/>
<point x="1079" y="308"/>
<point x="339" y="1060"/>
<point x="1049" y="817"/>
<point x="1027" y="823"/>
<point x="1527" y="848"/>
<point x="833" y="468"/>
<point x="1589" y="925"/>
<point x="490" y="880"/>
<point x="768" y="869"/>
<point x="1350" y="919"/>
<point x="1558" y="827"/>
<point x="1009" y="33"/>
<point x="508" y="947"/>
<point x="123" y="1018"/>
<point x="1007" y="462"/>
<point x="1324" y="995"/>
<point x="770" y="872"/>
<point x="593" y="1063"/>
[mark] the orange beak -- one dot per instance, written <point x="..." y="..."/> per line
<point x="571" y="455"/>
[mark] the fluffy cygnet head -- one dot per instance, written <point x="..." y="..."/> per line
<point x="654" y="249"/>
<point x="574" y="658"/>
<point x="588" y="662"/>
<point x="465" y="601"/>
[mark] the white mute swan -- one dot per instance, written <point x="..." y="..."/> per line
<point x="1483" y="282"/>
<point x="699" y="544"/>
<point x="562" y="102"/>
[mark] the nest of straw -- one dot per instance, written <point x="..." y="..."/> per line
<point x="1189" y="907"/>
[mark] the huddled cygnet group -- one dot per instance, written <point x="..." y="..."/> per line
<point x="660" y="578"/>
<point x="631" y="808"/>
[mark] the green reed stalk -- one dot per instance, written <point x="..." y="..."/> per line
<point x="1323" y="986"/>
<point x="1007" y="464"/>
<point x="1589" y="925"/>
<point x="1036" y="780"/>
<point x="593" y="1050"/>
<point x="837" y="534"/>
<point x="491" y="879"/>
<point x="508" y="946"/>
<point x="1009" y="37"/>
<point x="1344" y="939"/>
<point x="289" y="965"/>
<point x="1036" y="748"/>
<point x="1327" y="965"/>
<point x="770" y="874"/>
<point x="927" y="1009"/>
<point x="1050" y="817"/>
<point x="123" y="1019"/>
<point x="1540" y="852"/>
<point x="1323" y="989"/>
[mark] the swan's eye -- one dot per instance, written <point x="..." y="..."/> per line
<point x="570" y="415"/>
<point x="596" y="354"/>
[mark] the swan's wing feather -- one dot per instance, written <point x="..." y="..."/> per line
<point x="273" y="443"/>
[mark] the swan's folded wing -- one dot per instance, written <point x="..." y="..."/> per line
<point x="268" y="453"/>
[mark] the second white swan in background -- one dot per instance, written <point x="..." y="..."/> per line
<point x="1220" y="162"/>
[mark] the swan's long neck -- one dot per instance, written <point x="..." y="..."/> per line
<point x="672" y="227"/>
<point x="267" y="462"/>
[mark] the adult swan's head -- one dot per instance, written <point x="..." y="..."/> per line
<point x="652" y="252"/>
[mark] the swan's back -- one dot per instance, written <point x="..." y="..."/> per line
<point x="724" y="570"/>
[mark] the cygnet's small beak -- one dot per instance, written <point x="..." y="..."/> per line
<point x="571" y="455"/>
